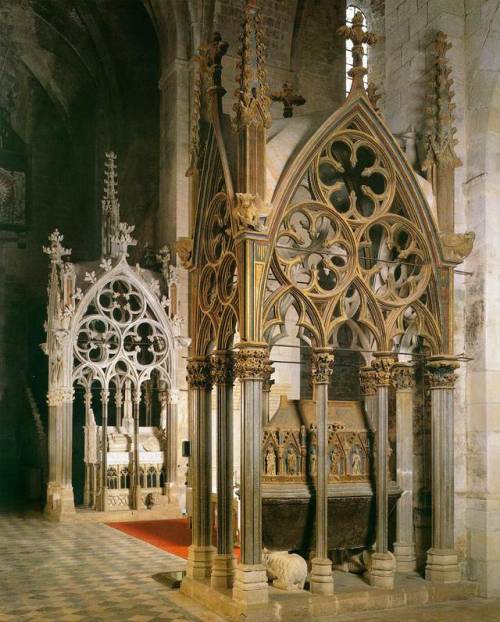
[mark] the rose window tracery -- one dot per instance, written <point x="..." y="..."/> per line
<point x="347" y="252"/>
<point x="120" y="332"/>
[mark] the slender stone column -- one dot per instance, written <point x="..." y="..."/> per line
<point x="442" y="560"/>
<point x="381" y="567"/>
<point x="252" y="367"/>
<point x="321" y="573"/>
<point x="403" y="378"/>
<point x="224" y="561"/>
<point x="60" y="498"/>
<point x="171" y="428"/>
<point x="201" y="551"/>
<point x="369" y="392"/>
<point x="104" y="450"/>
<point x="137" y="501"/>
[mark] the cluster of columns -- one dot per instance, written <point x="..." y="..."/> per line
<point x="442" y="561"/>
<point x="250" y="364"/>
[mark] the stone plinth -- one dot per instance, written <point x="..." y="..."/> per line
<point x="406" y="560"/>
<point x="442" y="566"/>
<point x="223" y="571"/>
<point x="200" y="558"/>
<point x="351" y="596"/>
<point x="250" y="584"/>
<point x="321" y="581"/>
<point x="381" y="570"/>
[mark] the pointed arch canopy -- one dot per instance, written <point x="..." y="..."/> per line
<point x="351" y="235"/>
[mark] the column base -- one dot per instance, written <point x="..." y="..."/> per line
<point x="223" y="571"/>
<point x="321" y="580"/>
<point x="380" y="572"/>
<point x="60" y="500"/>
<point x="199" y="564"/>
<point x="406" y="560"/>
<point x="442" y="566"/>
<point x="250" y="584"/>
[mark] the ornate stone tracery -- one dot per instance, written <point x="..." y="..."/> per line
<point x="344" y="246"/>
<point x="112" y="332"/>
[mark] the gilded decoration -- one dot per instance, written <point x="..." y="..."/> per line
<point x="440" y="131"/>
<point x="322" y="366"/>
<point x="358" y="36"/>
<point x="223" y="368"/>
<point x="382" y="365"/>
<point x="403" y="377"/>
<point x="199" y="374"/>
<point x="184" y="250"/>
<point x="252" y="363"/>
<point x="367" y="381"/>
<point x="457" y="246"/>
<point x="289" y="451"/>
<point x="248" y="210"/>
<point x="348" y="258"/>
<point x="288" y="98"/>
<point x="252" y="93"/>
<point x="216" y="305"/>
<point x="440" y="373"/>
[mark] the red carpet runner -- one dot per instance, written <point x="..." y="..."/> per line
<point x="173" y="536"/>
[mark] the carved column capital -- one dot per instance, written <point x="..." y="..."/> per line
<point x="223" y="367"/>
<point x="56" y="397"/>
<point x="252" y="362"/>
<point x="367" y="381"/>
<point x="199" y="373"/>
<point x="403" y="376"/>
<point x="173" y="396"/>
<point x="322" y="365"/>
<point x="382" y="364"/>
<point x="440" y="372"/>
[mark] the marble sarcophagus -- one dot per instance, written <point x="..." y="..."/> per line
<point x="288" y="483"/>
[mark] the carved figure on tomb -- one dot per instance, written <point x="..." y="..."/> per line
<point x="270" y="461"/>
<point x="291" y="461"/>
<point x="287" y="571"/>
<point x="356" y="466"/>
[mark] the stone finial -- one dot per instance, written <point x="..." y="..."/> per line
<point x="288" y="98"/>
<point x="56" y="250"/>
<point x="252" y="95"/>
<point x="440" y="132"/>
<point x="110" y="217"/>
<point x="123" y="239"/>
<point x="209" y="59"/>
<point x="359" y="37"/>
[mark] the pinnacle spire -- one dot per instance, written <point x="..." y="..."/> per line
<point x="252" y="93"/>
<point x="110" y="218"/>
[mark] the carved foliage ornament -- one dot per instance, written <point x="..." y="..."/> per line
<point x="367" y="380"/>
<point x="403" y="377"/>
<point x="440" y="374"/>
<point x="223" y="368"/>
<point x="382" y="366"/>
<point x="252" y="94"/>
<point x="199" y="374"/>
<point x="252" y="363"/>
<point x="322" y="367"/>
